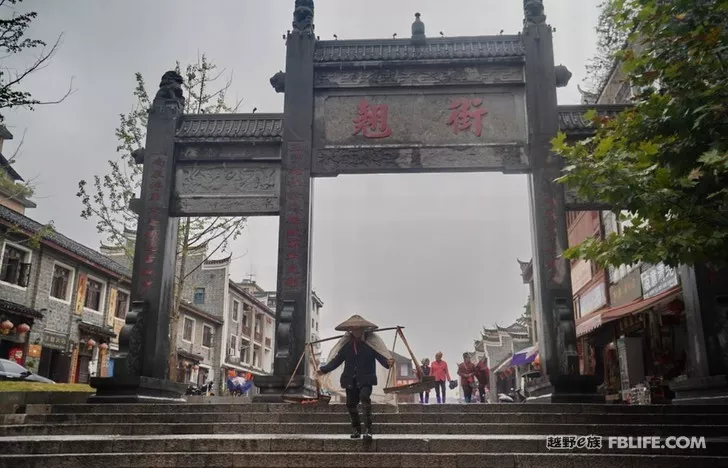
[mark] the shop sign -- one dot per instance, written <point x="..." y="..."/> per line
<point x="630" y="323"/>
<point x="581" y="274"/>
<point x="627" y="290"/>
<point x="623" y="369"/>
<point x="112" y="308"/>
<point x="55" y="341"/>
<point x="658" y="279"/>
<point x="34" y="351"/>
<point x="80" y="294"/>
<point x="593" y="300"/>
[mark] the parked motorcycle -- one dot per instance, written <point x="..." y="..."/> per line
<point x="514" y="396"/>
<point x="193" y="389"/>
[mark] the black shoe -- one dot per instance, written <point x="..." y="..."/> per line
<point x="355" y="424"/>
<point x="367" y="434"/>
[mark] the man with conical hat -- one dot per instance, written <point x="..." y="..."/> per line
<point x="358" y="350"/>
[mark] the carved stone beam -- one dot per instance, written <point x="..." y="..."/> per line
<point x="135" y="206"/>
<point x="278" y="81"/>
<point x="563" y="76"/>
<point x="139" y="154"/>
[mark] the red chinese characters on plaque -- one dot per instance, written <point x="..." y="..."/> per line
<point x="372" y="120"/>
<point x="154" y="212"/>
<point x="467" y="115"/>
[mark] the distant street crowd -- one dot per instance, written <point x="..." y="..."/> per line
<point x="472" y="377"/>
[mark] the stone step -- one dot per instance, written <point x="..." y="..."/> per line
<point x="324" y="444"/>
<point x="383" y="428"/>
<point x="404" y="408"/>
<point x="359" y="460"/>
<point x="427" y="418"/>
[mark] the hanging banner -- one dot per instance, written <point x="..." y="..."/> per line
<point x="112" y="308"/>
<point x="80" y="294"/>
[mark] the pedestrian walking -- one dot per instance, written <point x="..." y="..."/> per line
<point x="466" y="371"/>
<point x="482" y="373"/>
<point x="441" y="373"/>
<point x="425" y="396"/>
<point x="358" y="350"/>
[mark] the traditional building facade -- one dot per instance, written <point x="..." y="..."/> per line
<point x="66" y="295"/>
<point x="498" y="345"/>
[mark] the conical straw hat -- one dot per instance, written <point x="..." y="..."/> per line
<point x="356" y="322"/>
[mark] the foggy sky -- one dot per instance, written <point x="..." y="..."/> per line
<point x="435" y="253"/>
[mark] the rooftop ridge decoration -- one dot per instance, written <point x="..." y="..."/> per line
<point x="447" y="48"/>
<point x="572" y="121"/>
<point x="224" y="128"/>
<point x="31" y="226"/>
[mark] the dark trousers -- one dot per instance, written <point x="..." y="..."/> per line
<point x="467" y="392"/>
<point x="440" y="387"/>
<point x="358" y="394"/>
<point x="481" y="389"/>
<point x="425" y="397"/>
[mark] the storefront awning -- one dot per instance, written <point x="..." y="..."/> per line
<point x="196" y="358"/>
<point x="96" y="330"/>
<point x="591" y="322"/>
<point x="525" y="356"/>
<point x="8" y="307"/>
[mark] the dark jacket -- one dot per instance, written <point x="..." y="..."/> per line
<point x="359" y="361"/>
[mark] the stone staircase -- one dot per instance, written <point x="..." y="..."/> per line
<point x="262" y="435"/>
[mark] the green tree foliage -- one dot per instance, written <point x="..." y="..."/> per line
<point x="106" y="199"/>
<point x="664" y="161"/>
<point x="13" y="42"/>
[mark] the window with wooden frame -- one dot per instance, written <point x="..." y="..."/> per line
<point x="15" y="266"/>
<point x="61" y="282"/>
<point x="94" y="295"/>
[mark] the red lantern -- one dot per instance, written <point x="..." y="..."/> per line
<point x="103" y="346"/>
<point x="196" y="367"/>
<point x="90" y="343"/>
<point x="6" y="326"/>
<point x="23" y="328"/>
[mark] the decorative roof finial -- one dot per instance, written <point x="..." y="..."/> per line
<point x="418" y="30"/>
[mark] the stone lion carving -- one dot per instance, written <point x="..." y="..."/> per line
<point x="534" y="11"/>
<point x="303" y="16"/>
<point x="171" y="87"/>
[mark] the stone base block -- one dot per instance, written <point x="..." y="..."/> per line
<point x="136" y="390"/>
<point x="272" y="388"/>
<point x="711" y="390"/>
<point x="564" y="389"/>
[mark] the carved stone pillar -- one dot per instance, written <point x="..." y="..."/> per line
<point x="293" y="292"/>
<point x="140" y="372"/>
<point x="706" y="311"/>
<point x="552" y="278"/>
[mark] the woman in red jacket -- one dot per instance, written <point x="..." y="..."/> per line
<point x="438" y="368"/>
